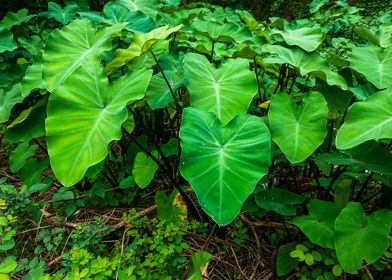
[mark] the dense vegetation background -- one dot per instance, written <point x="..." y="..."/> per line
<point x="171" y="139"/>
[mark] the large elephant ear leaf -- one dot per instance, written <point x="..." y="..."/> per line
<point x="82" y="120"/>
<point x="72" y="46"/>
<point x="228" y="32"/>
<point x="374" y="63"/>
<point x="149" y="8"/>
<point x="223" y="164"/>
<point x="359" y="237"/>
<point x="307" y="38"/>
<point x="307" y="63"/>
<point x="13" y="19"/>
<point x="59" y="14"/>
<point x="298" y="130"/>
<point x="141" y="43"/>
<point x="226" y="91"/>
<point x="367" y="120"/>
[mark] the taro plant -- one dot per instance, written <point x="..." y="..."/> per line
<point x="154" y="93"/>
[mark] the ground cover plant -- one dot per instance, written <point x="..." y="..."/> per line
<point x="165" y="140"/>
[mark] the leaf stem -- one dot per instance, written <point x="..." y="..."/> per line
<point x="178" y="108"/>
<point x="257" y="79"/>
<point x="364" y="185"/>
<point x="212" y="52"/>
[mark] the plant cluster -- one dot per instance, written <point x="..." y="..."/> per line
<point x="287" y="121"/>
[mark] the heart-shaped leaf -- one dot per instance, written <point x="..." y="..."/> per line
<point x="227" y="32"/>
<point x="61" y="15"/>
<point x="144" y="169"/>
<point x="298" y="130"/>
<point x="374" y="63"/>
<point x="114" y="13"/>
<point x="72" y="46"/>
<point x="226" y="91"/>
<point x="82" y="120"/>
<point x="359" y="237"/>
<point x="223" y="164"/>
<point x="318" y="226"/>
<point x="149" y="8"/>
<point x="141" y="43"/>
<point x="307" y="38"/>
<point x="367" y="120"/>
<point x="308" y="63"/>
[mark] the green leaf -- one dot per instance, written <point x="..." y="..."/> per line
<point x="227" y="32"/>
<point x="199" y="264"/>
<point x="29" y="124"/>
<point x="318" y="226"/>
<point x="3" y="221"/>
<point x="115" y="13"/>
<point x="298" y="130"/>
<point x="279" y="200"/>
<point x="8" y="265"/>
<point x="82" y="120"/>
<point x="149" y="8"/>
<point x="158" y="94"/>
<point x="33" y="45"/>
<point x="63" y="194"/>
<point x="364" y="91"/>
<point x="307" y="38"/>
<point x="13" y="19"/>
<point x="33" y="78"/>
<point x="284" y="262"/>
<point x="19" y="156"/>
<point x="136" y="20"/>
<point x="308" y="63"/>
<point x="374" y="63"/>
<point x="7" y="245"/>
<point x="226" y="91"/>
<point x="359" y="237"/>
<point x="342" y="192"/>
<point x="367" y="120"/>
<point x="129" y="124"/>
<point x="144" y="169"/>
<point x="337" y="270"/>
<point x="309" y="260"/>
<point x="316" y="5"/>
<point x="7" y="42"/>
<point x="74" y="45"/>
<point x="127" y="183"/>
<point x="337" y="99"/>
<point x="31" y="172"/>
<point x="372" y="156"/>
<point x="141" y="43"/>
<point x="8" y="99"/>
<point x="61" y="15"/>
<point x="38" y="188"/>
<point x="223" y="164"/>
<point x="167" y="209"/>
